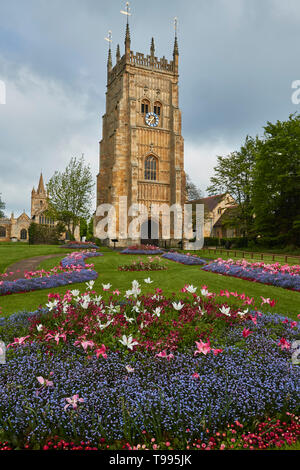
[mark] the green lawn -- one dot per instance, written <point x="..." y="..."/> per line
<point x="170" y="281"/>
<point x="12" y="252"/>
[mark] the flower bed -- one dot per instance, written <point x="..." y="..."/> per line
<point x="189" y="260"/>
<point x="142" y="250"/>
<point x="91" y="371"/>
<point x="74" y="271"/>
<point x="80" y="245"/>
<point x="277" y="275"/>
<point x="153" y="264"/>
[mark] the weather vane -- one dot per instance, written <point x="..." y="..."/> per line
<point x="127" y="11"/>
<point x="109" y="38"/>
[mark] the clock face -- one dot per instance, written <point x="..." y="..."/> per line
<point x="152" y="119"/>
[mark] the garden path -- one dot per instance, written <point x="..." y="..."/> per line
<point x="31" y="264"/>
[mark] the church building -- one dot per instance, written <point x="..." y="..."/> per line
<point x="16" y="229"/>
<point x="142" y="149"/>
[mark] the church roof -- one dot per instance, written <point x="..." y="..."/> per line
<point x="210" y="203"/>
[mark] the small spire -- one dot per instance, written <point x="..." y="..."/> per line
<point x="109" y="60"/>
<point x="127" y="13"/>
<point x="176" y="49"/>
<point x="118" y="54"/>
<point x="127" y="36"/>
<point x="152" y="49"/>
<point x="41" y="187"/>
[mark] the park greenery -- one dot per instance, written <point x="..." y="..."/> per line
<point x="2" y="207"/>
<point x="264" y="178"/>
<point x="70" y="194"/>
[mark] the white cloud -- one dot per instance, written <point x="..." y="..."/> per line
<point x="201" y="158"/>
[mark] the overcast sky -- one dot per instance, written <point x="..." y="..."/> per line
<point x="238" y="59"/>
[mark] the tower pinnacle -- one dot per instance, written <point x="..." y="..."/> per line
<point x="127" y="13"/>
<point x="152" y="48"/>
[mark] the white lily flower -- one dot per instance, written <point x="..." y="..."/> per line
<point x="157" y="312"/>
<point x="129" y="320"/>
<point x="202" y="312"/>
<point x="85" y="302"/>
<point x="191" y="289"/>
<point x="103" y="327"/>
<point x="225" y="311"/>
<point x="148" y="281"/>
<point x="75" y="293"/>
<point x="136" y="289"/>
<point x="106" y="286"/>
<point x="90" y="285"/>
<point x="52" y="305"/>
<point x="65" y="307"/>
<point x="97" y="300"/>
<point x="204" y="292"/>
<point x="178" y="306"/>
<point x="39" y="327"/>
<point x="128" y="342"/>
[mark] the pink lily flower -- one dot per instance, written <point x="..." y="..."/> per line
<point x="85" y="344"/>
<point x="284" y="344"/>
<point x="18" y="341"/>
<point x="45" y="382"/>
<point x="73" y="401"/>
<point x="101" y="352"/>
<point x="165" y="355"/>
<point x="217" y="351"/>
<point x="203" y="348"/>
<point x="247" y="332"/>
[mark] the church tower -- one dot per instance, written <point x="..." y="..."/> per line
<point x="38" y="199"/>
<point x="142" y="149"/>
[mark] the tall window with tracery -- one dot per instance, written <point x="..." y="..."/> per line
<point x="151" y="168"/>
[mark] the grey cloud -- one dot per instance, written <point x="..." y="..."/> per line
<point x="238" y="59"/>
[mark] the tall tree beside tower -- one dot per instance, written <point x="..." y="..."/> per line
<point x="71" y="193"/>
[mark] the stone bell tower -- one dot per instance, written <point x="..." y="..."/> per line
<point x="142" y="149"/>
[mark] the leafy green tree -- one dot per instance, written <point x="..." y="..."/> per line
<point x="2" y="207"/>
<point x="70" y="194"/>
<point x="90" y="229"/>
<point x="193" y="192"/>
<point x="83" y="227"/>
<point x="234" y="175"/>
<point x="276" y="187"/>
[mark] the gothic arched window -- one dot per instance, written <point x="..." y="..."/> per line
<point x="145" y="108"/>
<point x="158" y="108"/>
<point x="23" y="234"/>
<point x="2" y="232"/>
<point x="151" y="168"/>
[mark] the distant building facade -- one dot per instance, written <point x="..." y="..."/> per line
<point x="16" y="229"/>
<point x="218" y="210"/>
